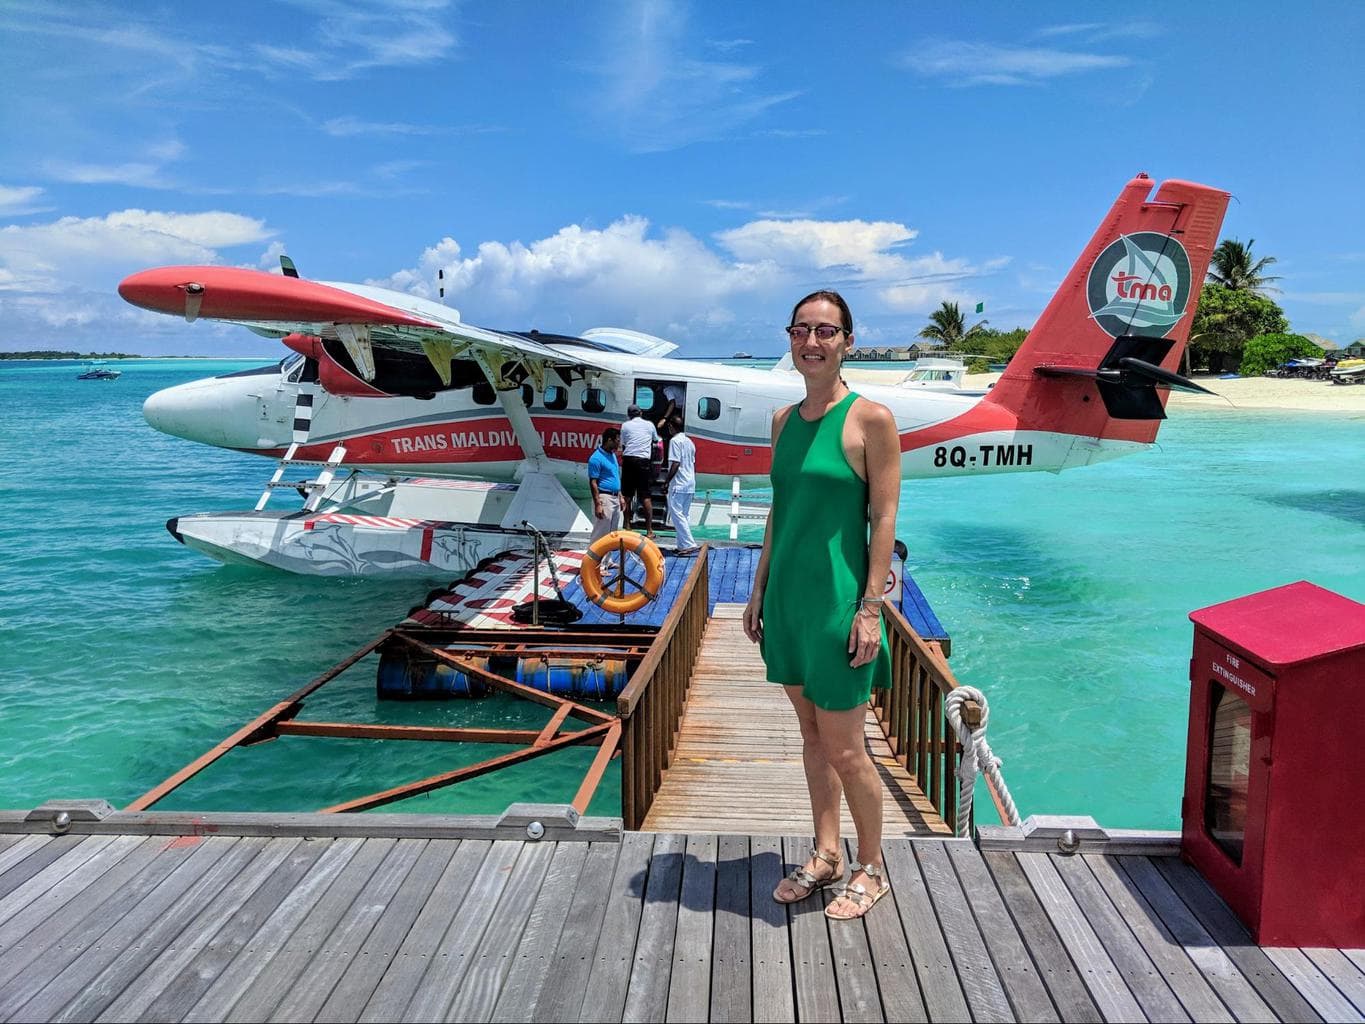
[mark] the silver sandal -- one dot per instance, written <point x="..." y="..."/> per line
<point x="857" y="894"/>
<point x="805" y="880"/>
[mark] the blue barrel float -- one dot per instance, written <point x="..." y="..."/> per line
<point x="411" y="675"/>
<point x="589" y="676"/>
<point x="406" y="674"/>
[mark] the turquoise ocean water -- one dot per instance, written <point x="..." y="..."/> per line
<point x="123" y="655"/>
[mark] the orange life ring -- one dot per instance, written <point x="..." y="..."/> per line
<point x="626" y="542"/>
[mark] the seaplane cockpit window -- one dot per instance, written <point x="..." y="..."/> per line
<point x="483" y="393"/>
<point x="593" y="400"/>
<point x="291" y="367"/>
<point x="556" y="397"/>
<point x="708" y="408"/>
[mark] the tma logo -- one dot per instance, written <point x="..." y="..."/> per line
<point x="1140" y="284"/>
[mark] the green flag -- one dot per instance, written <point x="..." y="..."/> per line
<point x="980" y="306"/>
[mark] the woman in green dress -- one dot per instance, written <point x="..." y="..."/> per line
<point x="816" y="605"/>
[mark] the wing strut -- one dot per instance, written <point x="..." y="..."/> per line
<point x="509" y="394"/>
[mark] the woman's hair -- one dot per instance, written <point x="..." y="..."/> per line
<point x="828" y="296"/>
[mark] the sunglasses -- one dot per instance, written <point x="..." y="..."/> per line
<point x="823" y="332"/>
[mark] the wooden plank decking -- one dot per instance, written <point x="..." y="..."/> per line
<point x="737" y="766"/>
<point x="654" y="927"/>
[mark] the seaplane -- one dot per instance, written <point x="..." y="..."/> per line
<point x="438" y="443"/>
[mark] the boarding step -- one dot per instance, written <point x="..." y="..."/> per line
<point x="315" y="487"/>
<point x="307" y="462"/>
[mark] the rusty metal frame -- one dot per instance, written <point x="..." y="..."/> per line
<point x="603" y="729"/>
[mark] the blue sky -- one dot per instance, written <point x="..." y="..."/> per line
<point x="683" y="169"/>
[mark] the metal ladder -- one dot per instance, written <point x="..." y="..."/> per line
<point x="315" y="487"/>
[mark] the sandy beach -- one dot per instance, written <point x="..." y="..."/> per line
<point x="1239" y="393"/>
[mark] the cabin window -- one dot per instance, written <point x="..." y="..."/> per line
<point x="483" y="393"/>
<point x="528" y="395"/>
<point x="644" y="396"/>
<point x="709" y="408"/>
<point x="556" y="398"/>
<point x="593" y="400"/>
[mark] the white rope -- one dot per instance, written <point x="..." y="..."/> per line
<point x="976" y="756"/>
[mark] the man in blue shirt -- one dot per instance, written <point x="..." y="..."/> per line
<point x="604" y="480"/>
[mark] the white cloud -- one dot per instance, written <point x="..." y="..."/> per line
<point x="17" y="199"/>
<point x="345" y="127"/>
<point x="133" y="173"/>
<point x="87" y="250"/>
<point x="64" y="275"/>
<point x="146" y="172"/>
<point x="672" y="283"/>
<point x="352" y="38"/>
<point x="862" y="246"/>
<point x="1094" y="31"/>
<point x="658" y="95"/>
<point x="581" y="277"/>
<point x="270" y="259"/>
<point x="1358" y="317"/>
<point x="964" y="63"/>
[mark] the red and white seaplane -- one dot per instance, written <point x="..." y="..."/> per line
<point x="437" y="440"/>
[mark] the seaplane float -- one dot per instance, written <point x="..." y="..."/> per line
<point x="436" y="442"/>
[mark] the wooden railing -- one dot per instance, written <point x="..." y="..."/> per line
<point x="650" y="707"/>
<point x="911" y="714"/>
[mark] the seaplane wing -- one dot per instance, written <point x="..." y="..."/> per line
<point x="361" y="317"/>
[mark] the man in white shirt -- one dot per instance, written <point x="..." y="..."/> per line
<point x="682" y="484"/>
<point x="638" y="438"/>
<point x="673" y="395"/>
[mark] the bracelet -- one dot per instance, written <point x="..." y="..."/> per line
<point x="863" y="602"/>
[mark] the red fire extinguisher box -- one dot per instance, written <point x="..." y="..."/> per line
<point x="1274" y="809"/>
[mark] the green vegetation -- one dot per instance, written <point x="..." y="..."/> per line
<point x="948" y="326"/>
<point x="1225" y="319"/>
<point x="990" y="346"/>
<point x="979" y="344"/>
<point x="1267" y="351"/>
<point x="53" y="354"/>
<point x="1233" y="267"/>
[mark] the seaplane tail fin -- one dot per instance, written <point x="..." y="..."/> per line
<point x="1101" y="358"/>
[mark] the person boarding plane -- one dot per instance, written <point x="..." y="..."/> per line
<point x="454" y="435"/>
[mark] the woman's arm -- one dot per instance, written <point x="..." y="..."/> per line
<point x="881" y="448"/>
<point x="753" y="611"/>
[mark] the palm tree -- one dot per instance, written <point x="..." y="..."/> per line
<point x="1232" y="267"/>
<point x="948" y="326"/>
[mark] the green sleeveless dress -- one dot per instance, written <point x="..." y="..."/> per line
<point x="817" y="566"/>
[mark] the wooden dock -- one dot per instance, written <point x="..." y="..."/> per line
<point x="389" y="917"/>
<point x="737" y="764"/>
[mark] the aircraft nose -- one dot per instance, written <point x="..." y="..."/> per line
<point x="197" y="412"/>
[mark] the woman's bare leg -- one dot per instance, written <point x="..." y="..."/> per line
<point x="844" y="745"/>
<point x="825" y="791"/>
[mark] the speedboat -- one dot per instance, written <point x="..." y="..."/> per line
<point x="935" y="373"/>
<point x="100" y="373"/>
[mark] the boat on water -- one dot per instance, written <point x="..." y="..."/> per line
<point x="97" y="371"/>
<point x="937" y="373"/>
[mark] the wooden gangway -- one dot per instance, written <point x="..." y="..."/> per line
<point x="157" y="916"/>
<point x="736" y="767"/>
